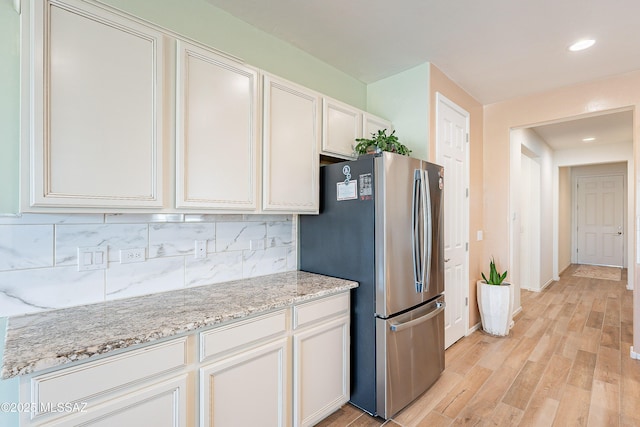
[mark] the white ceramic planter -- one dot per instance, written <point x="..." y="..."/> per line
<point x="496" y="307"/>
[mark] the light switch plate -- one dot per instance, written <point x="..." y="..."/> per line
<point x="93" y="258"/>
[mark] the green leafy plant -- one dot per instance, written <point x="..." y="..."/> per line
<point x="495" y="278"/>
<point x="383" y="142"/>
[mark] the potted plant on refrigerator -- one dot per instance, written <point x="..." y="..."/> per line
<point x="381" y="142"/>
<point x="495" y="302"/>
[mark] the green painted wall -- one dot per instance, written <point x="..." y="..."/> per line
<point x="195" y="19"/>
<point x="9" y="106"/>
<point x="404" y="99"/>
<point x="207" y="24"/>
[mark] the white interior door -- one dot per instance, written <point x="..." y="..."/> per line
<point x="452" y="130"/>
<point x="600" y="220"/>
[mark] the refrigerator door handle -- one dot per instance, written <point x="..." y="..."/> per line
<point x="415" y="230"/>
<point x="397" y="327"/>
<point x="427" y="230"/>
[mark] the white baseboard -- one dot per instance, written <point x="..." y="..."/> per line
<point x="563" y="270"/>
<point x="474" y="328"/>
<point x="633" y="354"/>
<point x="542" y="288"/>
<point x="516" y="311"/>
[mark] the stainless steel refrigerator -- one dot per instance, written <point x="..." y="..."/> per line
<point x="381" y="224"/>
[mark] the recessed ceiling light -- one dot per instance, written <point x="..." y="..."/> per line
<point x="589" y="139"/>
<point x="582" y="45"/>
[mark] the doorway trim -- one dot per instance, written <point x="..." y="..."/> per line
<point x="572" y="158"/>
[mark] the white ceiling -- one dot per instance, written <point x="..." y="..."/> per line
<point x="494" y="49"/>
<point x="606" y="129"/>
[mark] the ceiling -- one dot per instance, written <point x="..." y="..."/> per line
<point x="494" y="49"/>
<point x="606" y="129"/>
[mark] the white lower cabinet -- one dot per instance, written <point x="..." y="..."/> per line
<point x="162" y="404"/>
<point x="320" y="359"/>
<point x="283" y="368"/>
<point x="245" y="381"/>
<point x="248" y="389"/>
<point x="138" y="387"/>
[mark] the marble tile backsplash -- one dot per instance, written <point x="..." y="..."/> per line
<point x="39" y="266"/>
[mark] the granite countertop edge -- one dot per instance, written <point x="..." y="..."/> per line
<point x="43" y="340"/>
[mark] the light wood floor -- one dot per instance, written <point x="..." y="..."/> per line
<point x="565" y="363"/>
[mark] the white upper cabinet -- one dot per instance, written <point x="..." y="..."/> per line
<point x="95" y="107"/>
<point x="341" y="125"/>
<point x="372" y="124"/>
<point x="117" y="113"/>
<point x="217" y="137"/>
<point x="291" y="132"/>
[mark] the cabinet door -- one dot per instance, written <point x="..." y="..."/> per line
<point x="163" y="404"/>
<point x="95" y="111"/>
<point x="217" y="131"/>
<point x="372" y="124"/>
<point x="341" y="125"/>
<point x="249" y="389"/>
<point x="321" y="371"/>
<point x="290" y="143"/>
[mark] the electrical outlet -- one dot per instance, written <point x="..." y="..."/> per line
<point x="132" y="255"/>
<point x="201" y="249"/>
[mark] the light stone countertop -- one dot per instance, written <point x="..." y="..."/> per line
<point x="42" y="340"/>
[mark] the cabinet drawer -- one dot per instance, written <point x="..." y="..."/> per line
<point x="236" y="335"/>
<point x="308" y="313"/>
<point x="93" y="379"/>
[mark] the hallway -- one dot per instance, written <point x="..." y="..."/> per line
<point x="565" y="362"/>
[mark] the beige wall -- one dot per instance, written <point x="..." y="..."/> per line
<point x="570" y="102"/>
<point x="564" y="218"/>
<point x="439" y="82"/>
